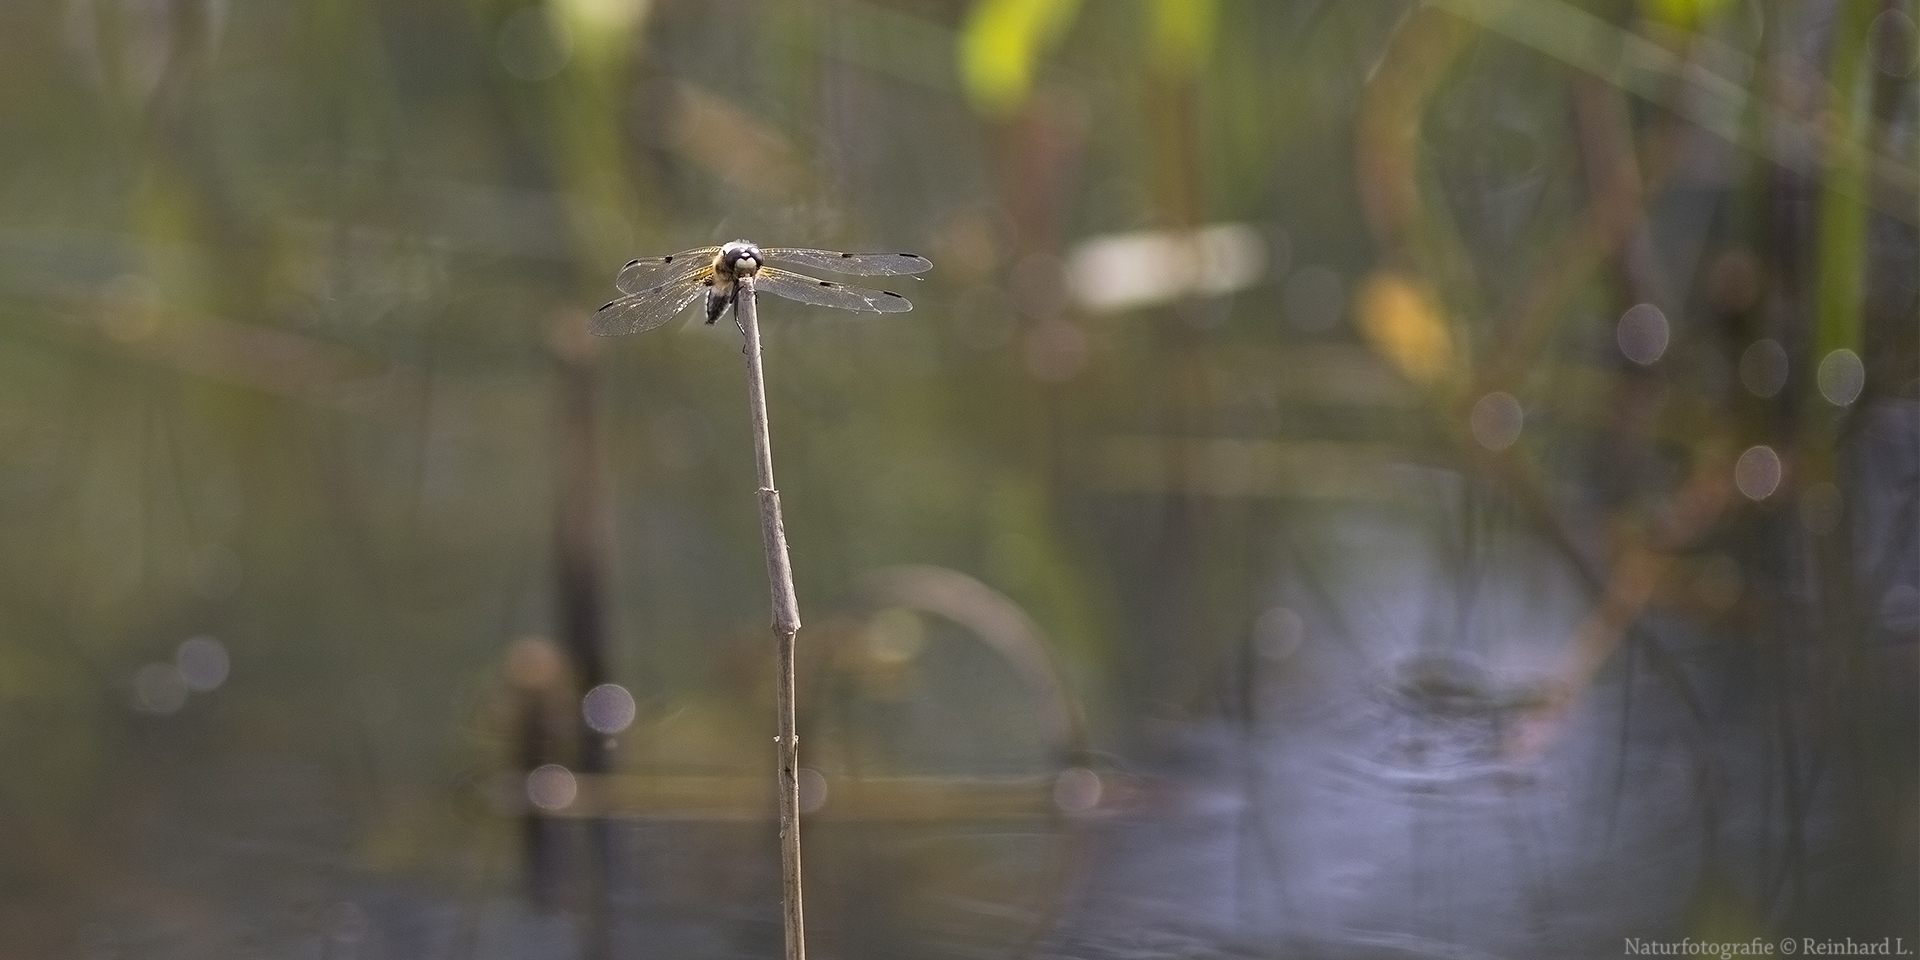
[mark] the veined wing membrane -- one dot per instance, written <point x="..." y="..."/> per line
<point x="648" y="308"/>
<point x="648" y="272"/>
<point x="861" y="264"/>
<point x="826" y="293"/>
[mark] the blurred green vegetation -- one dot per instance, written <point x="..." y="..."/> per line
<point x="288" y="291"/>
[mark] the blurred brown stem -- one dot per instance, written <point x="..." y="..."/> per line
<point x="1644" y="562"/>
<point x="1612" y="226"/>
<point x="582" y="558"/>
<point x="786" y="623"/>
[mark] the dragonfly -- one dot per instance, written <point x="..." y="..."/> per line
<point x="656" y="289"/>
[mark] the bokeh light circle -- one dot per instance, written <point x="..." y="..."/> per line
<point x="813" y="789"/>
<point x="608" y="708"/>
<point x="1642" y="333"/>
<point x="203" y="663"/>
<point x="1757" y="473"/>
<point x="159" y="689"/>
<point x="1841" y="377"/>
<point x="1763" y="368"/>
<point x="552" y="787"/>
<point x="1496" y="420"/>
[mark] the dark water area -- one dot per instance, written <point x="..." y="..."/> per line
<point x="1397" y="770"/>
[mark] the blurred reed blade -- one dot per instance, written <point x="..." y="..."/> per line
<point x="1001" y="44"/>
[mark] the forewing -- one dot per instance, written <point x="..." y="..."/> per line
<point x="649" y="272"/>
<point x="862" y="264"/>
<point x="648" y="308"/>
<point x="826" y="293"/>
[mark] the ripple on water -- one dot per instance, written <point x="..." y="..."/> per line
<point x="1435" y="722"/>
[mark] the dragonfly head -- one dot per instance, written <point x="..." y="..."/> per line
<point x="739" y="258"/>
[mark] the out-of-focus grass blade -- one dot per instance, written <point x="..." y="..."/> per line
<point x="1841" y="243"/>
<point x="1000" y="44"/>
<point x="1718" y="103"/>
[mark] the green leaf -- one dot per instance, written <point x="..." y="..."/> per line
<point x="999" y="45"/>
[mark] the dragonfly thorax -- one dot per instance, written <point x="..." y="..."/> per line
<point x="737" y="259"/>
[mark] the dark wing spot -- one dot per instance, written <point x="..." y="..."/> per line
<point x="631" y="263"/>
<point x="609" y="303"/>
<point x="913" y="256"/>
<point x="890" y="293"/>
<point x="667" y="259"/>
<point x="846" y="256"/>
<point x="828" y="283"/>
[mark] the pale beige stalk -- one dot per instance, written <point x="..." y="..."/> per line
<point x="786" y="624"/>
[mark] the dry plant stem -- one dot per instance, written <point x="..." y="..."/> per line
<point x="786" y="623"/>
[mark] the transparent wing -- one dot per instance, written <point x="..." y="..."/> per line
<point x="826" y="293"/>
<point x="648" y="308"/>
<point x="648" y="272"/>
<point x="862" y="264"/>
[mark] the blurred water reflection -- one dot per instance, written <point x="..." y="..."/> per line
<point x="1375" y="801"/>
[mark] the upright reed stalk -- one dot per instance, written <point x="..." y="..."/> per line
<point x="786" y="623"/>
